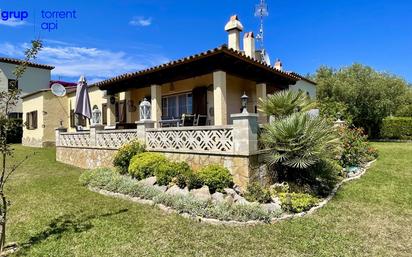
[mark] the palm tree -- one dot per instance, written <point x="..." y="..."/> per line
<point x="299" y="141"/>
<point x="285" y="102"/>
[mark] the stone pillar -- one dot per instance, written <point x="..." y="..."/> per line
<point x="156" y="102"/>
<point x="261" y="95"/>
<point x="93" y="135"/>
<point x="111" y="114"/>
<point x="219" y="98"/>
<point x="141" y="129"/>
<point x="245" y="133"/>
<point x="57" y="134"/>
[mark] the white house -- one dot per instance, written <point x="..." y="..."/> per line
<point x="36" y="77"/>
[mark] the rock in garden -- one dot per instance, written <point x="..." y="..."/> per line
<point x="175" y="190"/>
<point x="276" y="200"/>
<point x="218" y="197"/>
<point x="229" y="199"/>
<point x="241" y="200"/>
<point x="230" y="191"/>
<point x="271" y="207"/>
<point x="202" y="193"/>
<point x="160" y="188"/>
<point x="148" y="181"/>
<point x="238" y="189"/>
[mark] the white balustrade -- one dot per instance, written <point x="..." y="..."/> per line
<point x="77" y="139"/>
<point x="114" y="139"/>
<point x="191" y="139"/>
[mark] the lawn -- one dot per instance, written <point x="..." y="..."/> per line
<point x="53" y="215"/>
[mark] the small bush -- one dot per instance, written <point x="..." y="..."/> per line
<point x="194" y="181"/>
<point x="397" y="128"/>
<point x="215" y="177"/>
<point x="122" y="158"/>
<point x="167" y="171"/>
<point x="297" y="202"/>
<point x="145" y="164"/>
<point x="355" y="147"/>
<point x="256" y="193"/>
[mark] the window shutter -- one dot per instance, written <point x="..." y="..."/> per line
<point x="200" y="100"/>
<point x="104" y="114"/>
<point x="27" y="120"/>
<point x="35" y="120"/>
<point x="122" y="111"/>
<point x="72" y="119"/>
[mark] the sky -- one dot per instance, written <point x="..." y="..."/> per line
<point x="102" y="39"/>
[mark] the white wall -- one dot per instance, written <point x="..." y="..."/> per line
<point x="306" y="87"/>
<point x="33" y="79"/>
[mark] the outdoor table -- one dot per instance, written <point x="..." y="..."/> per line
<point x="170" y="123"/>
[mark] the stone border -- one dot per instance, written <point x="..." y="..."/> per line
<point x="233" y="222"/>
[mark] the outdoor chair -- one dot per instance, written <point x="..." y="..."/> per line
<point x="187" y="120"/>
<point x="200" y="120"/>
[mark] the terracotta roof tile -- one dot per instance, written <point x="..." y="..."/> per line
<point x="30" y="64"/>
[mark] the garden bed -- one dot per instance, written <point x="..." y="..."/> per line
<point x="197" y="207"/>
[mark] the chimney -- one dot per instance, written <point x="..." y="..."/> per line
<point x="278" y="64"/>
<point x="234" y="27"/>
<point x="249" y="45"/>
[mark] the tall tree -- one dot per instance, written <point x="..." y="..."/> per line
<point x="369" y="95"/>
<point x="8" y="100"/>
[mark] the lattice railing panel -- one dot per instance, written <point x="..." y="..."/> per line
<point x="190" y="140"/>
<point x="78" y="139"/>
<point x="114" y="138"/>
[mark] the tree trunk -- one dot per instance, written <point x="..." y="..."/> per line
<point x="3" y="221"/>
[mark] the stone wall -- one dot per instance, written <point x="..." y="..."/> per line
<point x="85" y="158"/>
<point x="243" y="168"/>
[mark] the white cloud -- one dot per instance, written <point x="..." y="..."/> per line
<point x="13" y="22"/>
<point x="96" y="64"/>
<point x="141" y="21"/>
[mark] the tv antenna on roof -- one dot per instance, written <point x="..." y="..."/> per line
<point x="261" y="11"/>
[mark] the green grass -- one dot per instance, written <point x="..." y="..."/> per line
<point x="52" y="215"/>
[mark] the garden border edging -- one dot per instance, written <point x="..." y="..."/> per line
<point x="233" y="222"/>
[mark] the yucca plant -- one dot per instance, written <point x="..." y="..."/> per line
<point x="299" y="141"/>
<point x="285" y="102"/>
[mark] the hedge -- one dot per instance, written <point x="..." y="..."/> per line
<point x="397" y="128"/>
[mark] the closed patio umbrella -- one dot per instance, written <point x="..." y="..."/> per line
<point x="82" y="99"/>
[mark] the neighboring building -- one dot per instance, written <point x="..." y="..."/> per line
<point x="36" y="77"/>
<point x="44" y="112"/>
<point x="305" y="85"/>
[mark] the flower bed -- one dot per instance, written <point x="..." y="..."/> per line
<point x="228" y="208"/>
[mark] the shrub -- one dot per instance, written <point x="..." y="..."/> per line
<point x="167" y="171"/>
<point x="122" y="158"/>
<point x="397" y="128"/>
<point x="299" y="141"/>
<point x="354" y="146"/>
<point x="145" y="164"/>
<point x="215" y="177"/>
<point x="297" y="202"/>
<point x="256" y="193"/>
<point x="193" y="181"/>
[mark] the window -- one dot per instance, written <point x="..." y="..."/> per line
<point x="31" y="120"/>
<point x="15" y="115"/>
<point x="176" y="105"/>
<point x="77" y="120"/>
<point x="120" y="112"/>
<point x="13" y="84"/>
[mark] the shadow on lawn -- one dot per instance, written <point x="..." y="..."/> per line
<point x="62" y="225"/>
